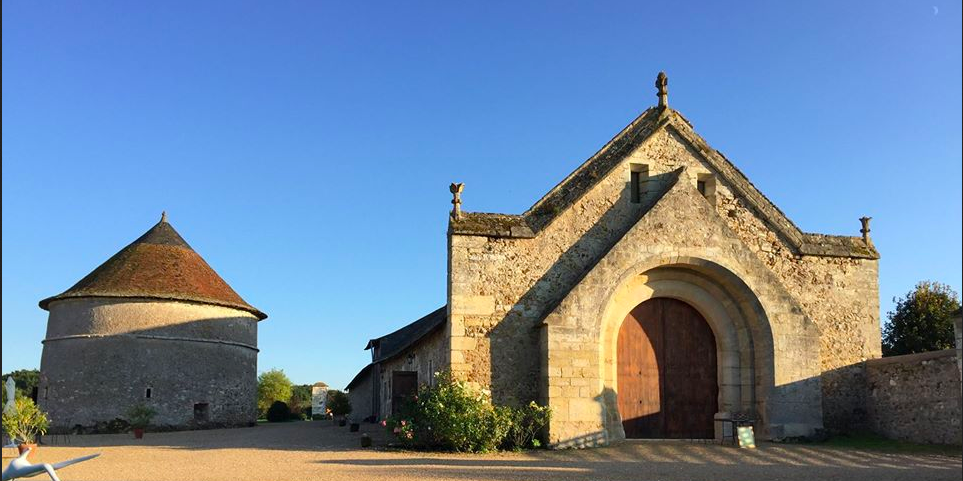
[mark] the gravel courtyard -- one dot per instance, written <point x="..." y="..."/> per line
<point x="319" y="450"/>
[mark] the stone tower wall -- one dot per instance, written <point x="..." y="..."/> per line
<point x="101" y="356"/>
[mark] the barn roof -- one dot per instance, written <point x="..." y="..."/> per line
<point x="158" y="265"/>
<point x="391" y="345"/>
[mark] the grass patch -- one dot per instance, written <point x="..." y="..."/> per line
<point x="875" y="442"/>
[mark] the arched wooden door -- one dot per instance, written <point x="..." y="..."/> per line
<point x="667" y="385"/>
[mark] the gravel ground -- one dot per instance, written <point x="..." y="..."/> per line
<point x="319" y="450"/>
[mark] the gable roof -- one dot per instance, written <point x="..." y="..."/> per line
<point x="158" y="265"/>
<point x="394" y="344"/>
<point x="593" y="170"/>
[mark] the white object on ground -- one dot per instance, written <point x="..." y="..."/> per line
<point x="21" y="468"/>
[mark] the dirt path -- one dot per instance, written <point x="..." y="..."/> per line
<point x="319" y="450"/>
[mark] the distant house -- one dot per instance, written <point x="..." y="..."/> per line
<point x="319" y="398"/>
<point x="652" y="293"/>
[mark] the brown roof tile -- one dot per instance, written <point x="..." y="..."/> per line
<point x="158" y="265"/>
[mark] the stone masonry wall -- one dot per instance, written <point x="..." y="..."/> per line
<point x="501" y="288"/>
<point x="360" y="396"/>
<point x="916" y="397"/>
<point x="101" y="356"/>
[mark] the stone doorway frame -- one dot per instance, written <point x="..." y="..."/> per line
<point x="744" y="347"/>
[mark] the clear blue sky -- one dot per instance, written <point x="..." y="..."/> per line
<point x="305" y="148"/>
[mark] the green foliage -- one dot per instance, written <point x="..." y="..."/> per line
<point x="451" y="416"/>
<point x="114" y="426"/>
<point x="526" y="423"/>
<point x="300" y="401"/>
<point x="338" y="403"/>
<point x="25" y="421"/>
<point x="279" y="411"/>
<point x="140" y="415"/>
<point x="921" y="321"/>
<point x="25" y="380"/>
<point x="272" y="386"/>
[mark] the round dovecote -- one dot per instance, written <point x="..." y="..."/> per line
<point x="154" y="324"/>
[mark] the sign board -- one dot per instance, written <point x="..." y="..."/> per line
<point x="746" y="437"/>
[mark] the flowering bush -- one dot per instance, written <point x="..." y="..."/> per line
<point x="452" y="416"/>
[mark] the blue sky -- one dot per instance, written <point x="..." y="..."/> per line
<point x="305" y="148"/>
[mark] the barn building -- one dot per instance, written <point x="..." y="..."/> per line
<point x="154" y="324"/>
<point x="653" y="293"/>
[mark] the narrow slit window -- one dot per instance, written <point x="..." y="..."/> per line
<point x="638" y="175"/>
<point x="147" y="393"/>
<point x="706" y="183"/>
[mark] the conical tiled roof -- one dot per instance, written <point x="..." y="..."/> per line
<point x="158" y="265"/>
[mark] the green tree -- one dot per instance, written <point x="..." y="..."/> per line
<point x="338" y="403"/>
<point x="272" y="386"/>
<point x="25" y="379"/>
<point x="300" y="399"/>
<point x="921" y="321"/>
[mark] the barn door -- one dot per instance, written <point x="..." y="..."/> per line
<point x="667" y="385"/>
<point x="404" y="385"/>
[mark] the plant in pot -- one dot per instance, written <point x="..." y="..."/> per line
<point x="340" y="406"/>
<point x="23" y="422"/>
<point x="140" y="416"/>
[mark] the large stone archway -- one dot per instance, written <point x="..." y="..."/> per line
<point x="767" y="351"/>
<point x="738" y="322"/>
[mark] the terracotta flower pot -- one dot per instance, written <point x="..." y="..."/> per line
<point x="31" y="446"/>
<point x="138" y="433"/>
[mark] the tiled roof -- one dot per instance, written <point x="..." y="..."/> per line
<point x="158" y="265"/>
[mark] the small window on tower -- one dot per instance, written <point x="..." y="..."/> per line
<point x="147" y="393"/>
<point x="701" y="185"/>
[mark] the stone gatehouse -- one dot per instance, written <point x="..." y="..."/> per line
<point x="652" y="292"/>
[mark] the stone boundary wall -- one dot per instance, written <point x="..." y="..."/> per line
<point x="916" y="397"/>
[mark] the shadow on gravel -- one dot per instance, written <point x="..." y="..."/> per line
<point x="292" y="436"/>
<point x="671" y="460"/>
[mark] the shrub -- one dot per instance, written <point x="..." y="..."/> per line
<point x="140" y="415"/>
<point x="338" y="403"/>
<point x="116" y="426"/>
<point x="451" y="416"/>
<point x="25" y="421"/>
<point x="526" y="423"/>
<point x="279" y="411"/>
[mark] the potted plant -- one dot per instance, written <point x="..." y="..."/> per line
<point x="24" y="421"/>
<point x="140" y="416"/>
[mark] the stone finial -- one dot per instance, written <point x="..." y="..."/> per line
<point x="662" y="83"/>
<point x="164" y="216"/>
<point x="456" y="190"/>
<point x="865" y="229"/>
